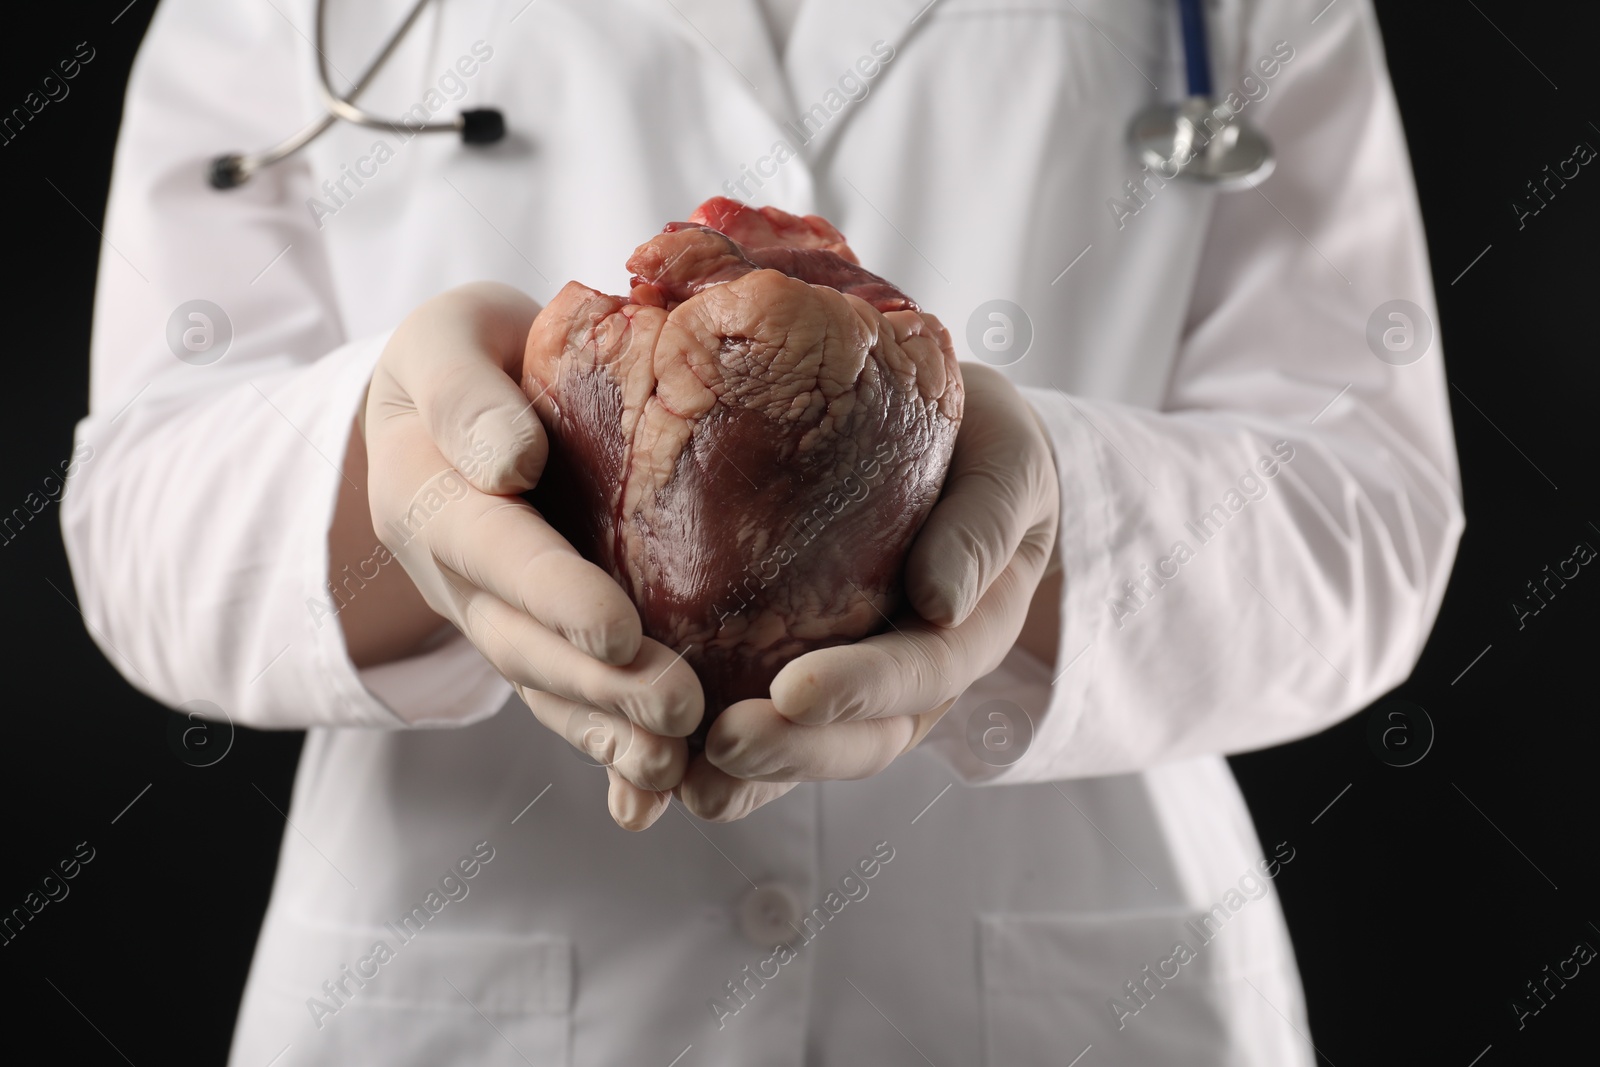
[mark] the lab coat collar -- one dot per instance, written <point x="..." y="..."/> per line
<point x="827" y="40"/>
<point x="732" y="35"/>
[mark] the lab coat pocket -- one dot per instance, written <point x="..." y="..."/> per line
<point x="491" y="1000"/>
<point x="1145" y="989"/>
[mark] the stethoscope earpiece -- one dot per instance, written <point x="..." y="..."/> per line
<point x="484" y="125"/>
<point x="227" y="172"/>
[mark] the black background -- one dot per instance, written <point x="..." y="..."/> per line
<point x="1420" y="901"/>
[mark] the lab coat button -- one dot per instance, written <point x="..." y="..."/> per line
<point x="767" y="915"/>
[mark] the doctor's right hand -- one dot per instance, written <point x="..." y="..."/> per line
<point x="450" y="442"/>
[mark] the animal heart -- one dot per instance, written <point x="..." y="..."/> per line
<point x="749" y="442"/>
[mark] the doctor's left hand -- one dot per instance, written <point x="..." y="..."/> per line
<point x="450" y="442"/>
<point x="848" y="712"/>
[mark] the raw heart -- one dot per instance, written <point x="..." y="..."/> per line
<point x="748" y="443"/>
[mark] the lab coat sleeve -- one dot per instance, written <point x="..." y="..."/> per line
<point x="197" y="516"/>
<point x="1289" y="519"/>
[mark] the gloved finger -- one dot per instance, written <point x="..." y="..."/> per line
<point x="502" y="545"/>
<point x="497" y="543"/>
<point x="751" y="740"/>
<point x="917" y="665"/>
<point x="643" y="759"/>
<point x="921" y="724"/>
<point x="484" y="425"/>
<point x="1001" y="479"/>
<point x="633" y="808"/>
<point x="658" y="691"/>
<point x="908" y="669"/>
<point x="717" y="796"/>
<point x="460" y="373"/>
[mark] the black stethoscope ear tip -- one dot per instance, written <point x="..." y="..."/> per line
<point x="227" y="172"/>
<point x="482" y="126"/>
<point x="476" y="127"/>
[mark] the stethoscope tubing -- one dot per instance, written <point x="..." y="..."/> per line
<point x="229" y="171"/>
<point x="1196" y="49"/>
<point x="343" y="106"/>
<point x="234" y="169"/>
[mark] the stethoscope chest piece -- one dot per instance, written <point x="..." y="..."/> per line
<point x="1202" y="140"/>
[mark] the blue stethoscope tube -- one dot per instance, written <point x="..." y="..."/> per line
<point x="1196" y="53"/>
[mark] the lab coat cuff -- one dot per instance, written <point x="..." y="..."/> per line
<point x="1018" y="723"/>
<point x="447" y="682"/>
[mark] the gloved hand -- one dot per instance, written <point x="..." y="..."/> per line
<point x="451" y="440"/>
<point x="848" y="712"/>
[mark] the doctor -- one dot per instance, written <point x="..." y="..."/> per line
<point x="1192" y="514"/>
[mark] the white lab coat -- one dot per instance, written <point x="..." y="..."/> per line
<point x="1185" y="342"/>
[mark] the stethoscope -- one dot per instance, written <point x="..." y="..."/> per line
<point x="1200" y="138"/>
<point x="476" y="127"/>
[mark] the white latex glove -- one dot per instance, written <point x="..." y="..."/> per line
<point x="848" y="712"/>
<point x="451" y="440"/>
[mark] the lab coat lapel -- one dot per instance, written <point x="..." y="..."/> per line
<point x="732" y="35"/>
